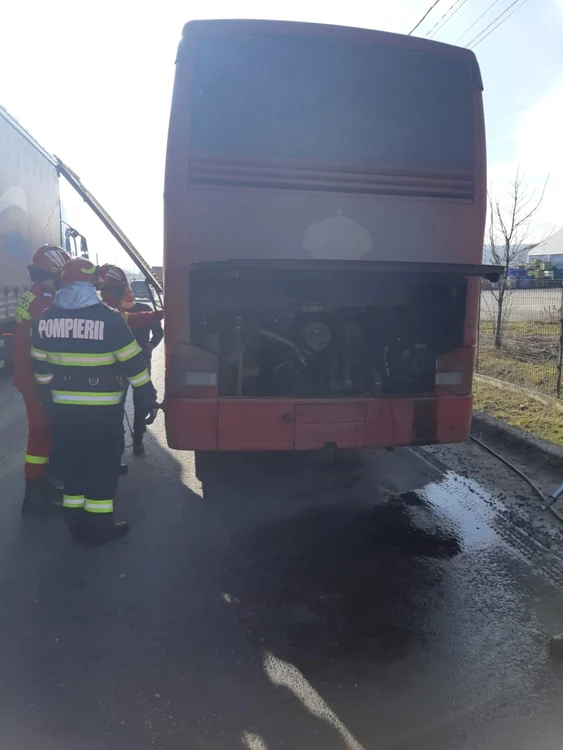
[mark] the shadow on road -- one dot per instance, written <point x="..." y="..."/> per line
<point x="249" y="615"/>
<point x="329" y="582"/>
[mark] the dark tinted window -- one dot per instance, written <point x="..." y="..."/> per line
<point x="319" y="100"/>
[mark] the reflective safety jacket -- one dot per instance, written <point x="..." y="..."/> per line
<point x="31" y="305"/>
<point x="82" y="359"/>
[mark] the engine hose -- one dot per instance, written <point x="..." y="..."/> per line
<point x="287" y="343"/>
<point x="521" y="474"/>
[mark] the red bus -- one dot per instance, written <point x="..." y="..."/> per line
<point x="324" y="217"/>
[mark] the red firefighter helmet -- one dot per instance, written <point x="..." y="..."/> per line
<point x="113" y="277"/>
<point x="79" y="269"/>
<point x="50" y="259"/>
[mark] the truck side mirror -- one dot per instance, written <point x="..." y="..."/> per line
<point x="68" y="244"/>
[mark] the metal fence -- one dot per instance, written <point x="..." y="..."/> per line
<point x="524" y="345"/>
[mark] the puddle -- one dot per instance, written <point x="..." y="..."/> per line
<point x="461" y="501"/>
<point x="414" y="529"/>
<point x="484" y="522"/>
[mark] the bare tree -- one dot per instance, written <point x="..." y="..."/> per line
<point x="508" y="234"/>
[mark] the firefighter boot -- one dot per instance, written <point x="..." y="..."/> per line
<point x="101" y="528"/>
<point x="138" y="447"/>
<point x="76" y="522"/>
<point x="38" y="499"/>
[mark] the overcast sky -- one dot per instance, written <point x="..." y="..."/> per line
<point x="92" y="82"/>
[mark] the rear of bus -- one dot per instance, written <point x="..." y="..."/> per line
<point x="324" y="220"/>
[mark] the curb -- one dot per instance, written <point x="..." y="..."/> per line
<point x="504" y="385"/>
<point x="483" y="424"/>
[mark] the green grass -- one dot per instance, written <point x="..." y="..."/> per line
<point x="523" y="327"/>
<point x="519" y="410"/>
<point x="538" y="376"/>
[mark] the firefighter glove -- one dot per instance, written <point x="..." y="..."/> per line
<point x="151" y="415"/>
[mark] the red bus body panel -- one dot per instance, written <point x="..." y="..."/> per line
<point x="210" y="223"/>
<point x="231" y="424"/>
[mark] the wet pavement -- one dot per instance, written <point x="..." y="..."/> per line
<point x="385" y="601"/>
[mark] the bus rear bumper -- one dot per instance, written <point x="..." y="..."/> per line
<point x="231" y="424"/>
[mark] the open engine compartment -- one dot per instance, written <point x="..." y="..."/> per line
<point x="327" y="333"/>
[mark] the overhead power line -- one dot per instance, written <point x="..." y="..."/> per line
<point x="446" y="18"/>
<point x="430" y="9"/>
<point x="501" y="18"/>
<point x="504" y="12"/>
<point x="476" y="22"/>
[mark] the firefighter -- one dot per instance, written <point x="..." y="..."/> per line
<point x="115" y="287"/>
<point x="83" y="353"/>
<point x="116" y="292"/>
<point x="148" y="338"/>
<point x="44" y="271"/>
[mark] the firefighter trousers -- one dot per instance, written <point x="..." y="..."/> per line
<point x="139" y="415"/>
<point x="39" y="438"/>
<point x="90" y="457"/>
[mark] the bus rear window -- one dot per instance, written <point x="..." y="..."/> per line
<point x="315" y="100"/>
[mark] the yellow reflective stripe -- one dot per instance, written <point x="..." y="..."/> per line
<point x="89" y="270"/>
<point x="126" y="315"/>
<point x="71" y="359"/>
<point x="38" y="354"/>
<point x="29" y="459"/>
<point x="98" y="506"/>
<point x="128" y="352"/>
<point x="28" y="297"/>
<point x="23" y="313"/>
<point x="73" y="501"/>
<point x="43" y="379"/>
<point x="81" y="398"/>
<point x="141" y="379"/>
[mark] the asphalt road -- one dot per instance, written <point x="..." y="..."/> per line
<point x="383" y="602"/>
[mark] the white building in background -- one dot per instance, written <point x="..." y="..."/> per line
<point x="520" y="257"/>
<point x="552" y="250"/>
